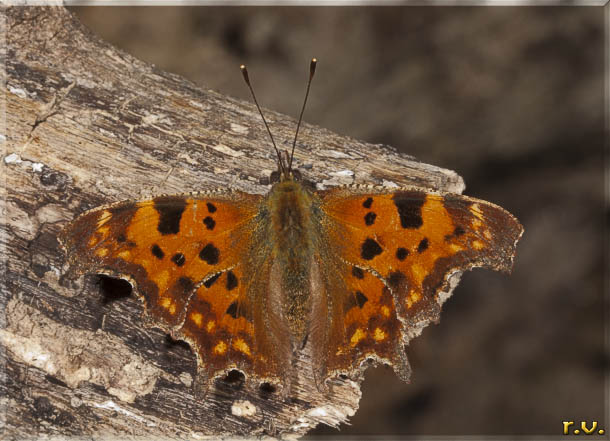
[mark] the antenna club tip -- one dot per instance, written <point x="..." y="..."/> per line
<point x="244" y="72"/>
<point x="312" y="67"/>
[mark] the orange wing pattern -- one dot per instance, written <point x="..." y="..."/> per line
<point x="400" y="249"/>
<point x="248" y="280"/>
<point x="186" y="265"/>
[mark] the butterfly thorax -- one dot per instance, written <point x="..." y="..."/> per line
<point x="290" y="208"/>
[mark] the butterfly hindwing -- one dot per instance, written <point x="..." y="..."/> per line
<point x="363" y="323"/>
<point x="402" y="246"/>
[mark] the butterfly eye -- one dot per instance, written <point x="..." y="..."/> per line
<point x="274" y="177"/>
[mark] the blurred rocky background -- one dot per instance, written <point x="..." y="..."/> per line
<point x="510" y="98"/>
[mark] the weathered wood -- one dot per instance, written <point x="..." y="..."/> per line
<point x="87" y="124"/>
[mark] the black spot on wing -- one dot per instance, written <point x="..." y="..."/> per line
<point x="356" y="299"/>
<point x="402" y="253"/>
<point x="185" y="282"/>
<point x="157" y="251"/>
<point x="211" y="207"/>
<point x="357" y="272"/>
<point x="408" y="204"/>
<point x="237" y="310"/>
<point x="396" y="279"/>
<point x="170" y="211"/>
<point x="182" y="288"/>
<point x="232" y="310"/>
<point x="231" y="281"/>
<point x="370" y="248"/>
<point x="211" y="280"/>
<point x="361" y="299"/>
<point x="121" y="238"/>
<point x="209" y="223"/>
<point x="210" y="254"/>
<point x="367" y="203"/>
<point x="457" y="232"/>
<point x="423" y="245"/>
<point x="369" y="218"/>
<point x="178" y="259"/>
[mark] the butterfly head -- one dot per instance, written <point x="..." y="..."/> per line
<point x="284" y="163"/>
<point x="294" y="175"/>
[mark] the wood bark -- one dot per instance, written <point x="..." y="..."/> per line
<point x="87" y="124"/>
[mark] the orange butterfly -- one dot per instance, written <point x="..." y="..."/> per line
<point x="250" y="280"/>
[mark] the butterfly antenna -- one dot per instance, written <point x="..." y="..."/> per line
<point x="312" y="70"/>
<point x="244" y="72"/>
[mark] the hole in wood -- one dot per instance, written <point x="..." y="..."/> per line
<point x="171" y="342"/>
<point x="113" y="289"/>
<point x="267" y="389"/>
<point x="234" y="377"/>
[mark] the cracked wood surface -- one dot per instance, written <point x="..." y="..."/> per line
<point x="87" y="124"/>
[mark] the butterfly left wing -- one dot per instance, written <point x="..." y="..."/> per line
<point x="395" y="252"/>
<point x="184" y="255"/>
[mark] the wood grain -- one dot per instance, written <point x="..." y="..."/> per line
<point x="87" y="124"/>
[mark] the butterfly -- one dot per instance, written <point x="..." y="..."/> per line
<point x="352" y="273"/>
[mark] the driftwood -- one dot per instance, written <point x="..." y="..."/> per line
<point x="87" y="124"/>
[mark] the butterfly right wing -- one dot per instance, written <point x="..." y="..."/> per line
<point x="391" y="257"/>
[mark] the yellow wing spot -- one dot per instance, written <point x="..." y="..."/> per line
<point x="385" y="311"/>
<point x="220" y="348"/>
<point x="210" y="325"/>
<point x="476" y="212"/>
<point x="455" y="248"/>
<point x="475" y="209"/>
<point x="125" y="255"/>
<point x="416" y="296"/>
<point x="167" y="303"/>
<point x="197" y="319"/>
<point x="161" y="280"/>
<point x="241" y="346"/>
<point x="413" y="297"/>
<point x="419" y="272"/>
<point x="487" y="234"/>
<point x="102" y="252"/>
<point x="357" y="337"/>
<point x="102" y="220"/>
<point x="379" y="334"/>
<point x="93" y="241"/>
<point x="478" y="245"/>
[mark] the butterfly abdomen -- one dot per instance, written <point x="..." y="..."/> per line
<point x="290" y="207"/>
